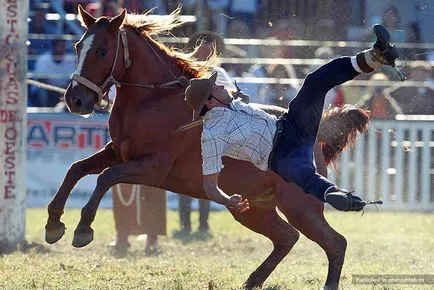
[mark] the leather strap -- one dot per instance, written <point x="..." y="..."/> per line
<point x="85" y="82"/>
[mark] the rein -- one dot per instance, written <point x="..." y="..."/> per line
<point x="188" y="126"/>
<point x="99" y="90"/>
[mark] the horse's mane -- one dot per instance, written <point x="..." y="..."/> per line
<point x="146" y="27"/>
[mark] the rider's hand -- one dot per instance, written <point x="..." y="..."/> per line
<point x="245" y="98"/>
<point x="236" y="202"/>
<point x="239" y="94"/>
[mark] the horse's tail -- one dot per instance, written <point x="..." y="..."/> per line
<point x="339" y="128"/>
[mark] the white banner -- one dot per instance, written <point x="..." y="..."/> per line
<point x="54" y="142"/>
<point x="13" y="102"/>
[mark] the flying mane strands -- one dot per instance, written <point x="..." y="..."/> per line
<point x="148" y="27"/>
<point x="146" y="24"/>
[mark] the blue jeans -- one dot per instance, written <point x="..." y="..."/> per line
<point x="292" y="156"/>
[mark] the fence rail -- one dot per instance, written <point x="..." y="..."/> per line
<point x="255" y="41"/>
<point x="394" y="162"/>
<point x="292" y="81"/>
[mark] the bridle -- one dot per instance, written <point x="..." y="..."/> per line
<point x="103" y="103"/>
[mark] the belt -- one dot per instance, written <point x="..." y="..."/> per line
<point x="280" y="129"/>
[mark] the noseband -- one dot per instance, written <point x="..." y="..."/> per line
<point x="100" y="90"/>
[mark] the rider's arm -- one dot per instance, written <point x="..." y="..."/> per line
<point x="214" y="193"/>
<point x="212" y="153"/>
<point x="210" y="184"/>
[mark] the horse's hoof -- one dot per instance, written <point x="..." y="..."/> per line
<point x="83" y="235"/>
<point x="54" y="231"/>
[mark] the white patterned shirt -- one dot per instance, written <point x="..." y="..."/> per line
<point x="241" y="132"/>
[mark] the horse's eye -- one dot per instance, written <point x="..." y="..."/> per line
<point x="101" y="52"/>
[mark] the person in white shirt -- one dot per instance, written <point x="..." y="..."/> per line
<point x="55" y="68"/>
<point x="241" y="131"/>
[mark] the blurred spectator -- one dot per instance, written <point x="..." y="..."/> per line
<point x="280" y="94"/>
<point x="414" y="36"/>
<point x="293" y="29"/>
<point x="240" y="70"/>
<point x="274" y="9"/>
<point x="70" y="6"/>
<point x="185" y="212"/>
<point x="259" y="70"/>
<point x="381" y="105"/>
<point x="38" y="25"/>
<point x="335" y="96"/>
<point x="138" y="210"/>
<point x="103" y="8"/>
<point x="218" y="9"/>
<point x="270" y="31"/>
<point x="133" y="6"/>
<point x="281" y="30"/>
<point x="416" y="100"/>
<point x="323" y="52"/>
<point x="392" y="21"/>
<point x="238" y="29"/>
<point x="56" y="66"/>
<point x="160" y="7"/>
<point x="245" y="10"/>
<point x="205" y="42"/>
<point x="35" y="4"/>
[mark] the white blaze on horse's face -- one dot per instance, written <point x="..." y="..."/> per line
<point x="87" y="44"/>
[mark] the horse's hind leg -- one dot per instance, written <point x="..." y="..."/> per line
<point x="267" y="222"/>
<point x="55" y="229"/>
<point x="305" y="213"/>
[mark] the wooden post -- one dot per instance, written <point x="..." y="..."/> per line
<point x="13" y="101"/>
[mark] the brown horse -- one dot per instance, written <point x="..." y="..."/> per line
<point x="147" y="148"/>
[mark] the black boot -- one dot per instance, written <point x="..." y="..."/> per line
<point x="344" y="201"/>
<point x="383" y="51"/>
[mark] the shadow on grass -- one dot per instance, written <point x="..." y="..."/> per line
<point x="272" y="287"/>
<point x="24" y="247"/>
<point x="187" y="237"/>
<point x="118" y="252"/>
<point x="123" y="251"/>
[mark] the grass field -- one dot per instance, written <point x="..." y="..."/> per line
<point x="378" y="243"/>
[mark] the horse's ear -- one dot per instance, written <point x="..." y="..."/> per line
<point x="118" y="20"/>
<point x="86" y="19"/>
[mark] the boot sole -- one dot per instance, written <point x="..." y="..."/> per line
<point x="383" y="39"/>
<point x="339" y="202"/>
<point x="381" y="33"/>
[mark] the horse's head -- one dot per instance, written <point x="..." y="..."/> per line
<point x="98" y="61"/>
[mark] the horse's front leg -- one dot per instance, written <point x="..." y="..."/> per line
<point x="148" y="170"/>
<point x="55" y="229"/>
